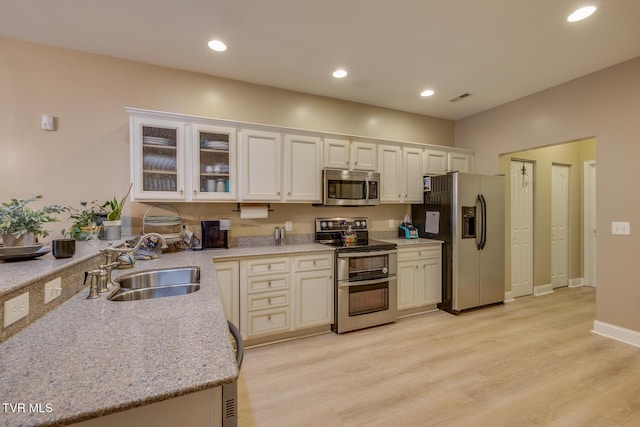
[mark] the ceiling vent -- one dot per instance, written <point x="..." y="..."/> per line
<point x="459" y="97"/>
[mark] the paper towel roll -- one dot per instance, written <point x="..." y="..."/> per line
<point x="253" y="212"/>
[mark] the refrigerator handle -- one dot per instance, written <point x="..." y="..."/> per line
<point x="483" y="206"/>
<point x="478" y="223"/>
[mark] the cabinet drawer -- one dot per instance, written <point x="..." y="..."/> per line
<point x="267" y="283"/>
<point x="267" y="266"/>
<point x="268" y="321"/>
<point x="418" y="253"/>
<point x="267" y="300"/>
<point x="313" y="262"/>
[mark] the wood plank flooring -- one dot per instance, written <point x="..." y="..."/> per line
<point x="529" y="362"/>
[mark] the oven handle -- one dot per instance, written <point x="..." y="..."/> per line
<point x="365" y="254"/>
<point x="347" y="284"/>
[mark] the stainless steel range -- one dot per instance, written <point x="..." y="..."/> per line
<point x="366" y="283"/>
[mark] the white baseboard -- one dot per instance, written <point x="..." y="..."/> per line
<point x="508" y="296"/>
<point x="618" y="333"/>
<point x="577" y="282"/>
<point x="543" y="289"/>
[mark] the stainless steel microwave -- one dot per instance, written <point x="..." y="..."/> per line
<point x="350" y="188"/>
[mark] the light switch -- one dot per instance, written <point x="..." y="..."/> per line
<point x="47" y="122"/>
<point x="621" y="228"/>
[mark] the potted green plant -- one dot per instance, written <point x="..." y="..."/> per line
<point x="86" y="221"/>
<point x="113" y="225"/>
<point x="21" y="225"/>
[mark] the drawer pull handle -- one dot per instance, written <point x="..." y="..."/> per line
<point x="269" y="318"/>
<point x="314" y="262"/>
<point x="269" y="301"/>
<point x="269" y="267"/>
<point x="269" y="283"/>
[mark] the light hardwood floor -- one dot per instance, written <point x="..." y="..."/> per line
<point x="529" y="362"/>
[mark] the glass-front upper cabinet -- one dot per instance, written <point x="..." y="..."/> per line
<point x="213" y="163"/>
<point x="157" y="166"/>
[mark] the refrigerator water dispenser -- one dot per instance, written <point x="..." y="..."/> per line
<point x="468" y="222"/>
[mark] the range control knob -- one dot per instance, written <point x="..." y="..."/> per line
<point x="330" y="224"/>
<point x="363" y="223"/>
<point x="323" y="225"/>
<point x="357" y="224"/>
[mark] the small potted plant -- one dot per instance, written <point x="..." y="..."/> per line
<point x="113" y="225"/>
<point x="21" y="225"/>
<point x="86" y="222"/>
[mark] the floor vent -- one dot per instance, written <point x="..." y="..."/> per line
<point x="460" y="97"/>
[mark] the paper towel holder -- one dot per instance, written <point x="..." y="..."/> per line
<point x="238" y="206"/>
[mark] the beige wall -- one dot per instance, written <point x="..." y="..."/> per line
<point x="87" y="157"/>
<point x="572" y="154"/>
<point x="604" y="105"/>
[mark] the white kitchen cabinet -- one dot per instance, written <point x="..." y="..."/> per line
<point x="460" y="162"/>
<point x="228" y="277"/>
<point x="350" y="155"/>
<point x="303" y="168"/>
<point x="400" y="174"/>
<point x="213" y="163"/>
<point x="390" y="162"/>
<point x="261" y="165"/>
<point x="435" y="162"/>
<point x="439" y="162"/>
<point x="158" y="159"/>
<point x="412" y="183"/>
<point x="363" y="156"/>
<point x="264" y="296"/>
<point x="336" y="153"/>
<point x="313" y="287"/>
<point x="419" y="276"/>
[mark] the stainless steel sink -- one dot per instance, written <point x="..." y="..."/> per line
<point x="155" y="292"/>
<point x="158" y="283"/>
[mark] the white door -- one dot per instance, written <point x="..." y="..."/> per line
<point x="559" y="225"/>
<point x="521" y="228"/>
<point x="590" y="223"/>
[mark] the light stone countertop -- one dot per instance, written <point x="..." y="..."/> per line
<point x="412" y="242"/>
<point x="89" y="358"/>
<point x="14" y="275"/>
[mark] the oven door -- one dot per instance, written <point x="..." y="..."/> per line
<point x="365" y="303"/>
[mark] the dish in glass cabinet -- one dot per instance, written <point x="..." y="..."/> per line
<point x="24" y="256"/>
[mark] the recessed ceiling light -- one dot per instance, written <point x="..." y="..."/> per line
<point x="427" y="92"/>
<point x="217" y="45"/>
<point x="340" y="74"/>
<point x="582" y="13"/>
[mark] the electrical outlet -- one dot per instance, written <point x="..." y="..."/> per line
<point x="52" y="290"/>
<point x="392" y="223"/>
<point x="16" y="308"/>
<point x="288" y="225"/>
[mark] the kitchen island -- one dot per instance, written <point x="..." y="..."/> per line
<point x="89" y="358"/>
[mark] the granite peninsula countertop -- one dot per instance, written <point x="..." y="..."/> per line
<point x="89" y="358"/>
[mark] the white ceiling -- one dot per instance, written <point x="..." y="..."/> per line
<point x="496" y="50"/>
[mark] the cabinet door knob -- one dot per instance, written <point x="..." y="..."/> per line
<point x="181" y="192"/>
<point x="195" y="192"/>
<point x="269" y="266"/>
<point x="269" y="317"/>
<point x="314" y="262"/>
<point x="269" y="301"/>
<point x="269" y="283"/>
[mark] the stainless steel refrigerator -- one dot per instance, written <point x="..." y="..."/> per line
<point x="466" y="211"/>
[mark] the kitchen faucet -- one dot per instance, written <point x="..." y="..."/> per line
<point x="110" y="264"/>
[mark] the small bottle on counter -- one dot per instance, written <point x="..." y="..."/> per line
<point x="276" y="235"/>
<point x="282" y="236"/>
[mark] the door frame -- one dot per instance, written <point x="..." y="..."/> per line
<point x="567" y="220"/>
<point x="589" y="229"/>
